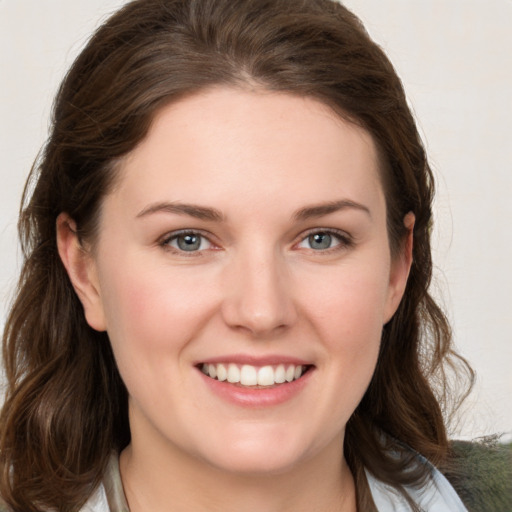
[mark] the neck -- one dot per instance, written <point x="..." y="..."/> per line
<point x="154" y="479"/>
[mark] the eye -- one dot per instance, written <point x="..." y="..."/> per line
<point x="324" y="240"/>
<point x="188" y="241"/>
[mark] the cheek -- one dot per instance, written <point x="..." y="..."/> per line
<point x="154" y="308"/>
<point x="152" y="316"/>
<point x="348" y="304"/>
<point x="345" y="313"/>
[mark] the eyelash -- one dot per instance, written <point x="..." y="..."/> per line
<point x="345" y="241"/>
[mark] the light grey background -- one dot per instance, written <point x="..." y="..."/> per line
<point x="455" y="58"/>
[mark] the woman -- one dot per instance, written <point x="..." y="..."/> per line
<point x="224" y="303"/>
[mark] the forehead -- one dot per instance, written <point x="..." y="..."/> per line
<point x="227" y="143"/>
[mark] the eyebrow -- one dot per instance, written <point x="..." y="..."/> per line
<point x="212" y="214"/>
<point x="322" y="209"/>
<point x="192" y="210"/>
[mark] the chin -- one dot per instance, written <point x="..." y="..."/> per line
<point x="253" y="465"/>
<point x="257" y="456"/>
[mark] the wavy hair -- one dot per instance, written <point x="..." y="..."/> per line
<point x="66" y="405"/>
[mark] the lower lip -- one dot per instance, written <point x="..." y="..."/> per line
<point x="257" y="397"/>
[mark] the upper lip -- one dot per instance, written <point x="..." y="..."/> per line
<point x="241" y="359"/>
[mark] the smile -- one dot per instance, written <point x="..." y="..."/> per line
<point x="251" y="376"/>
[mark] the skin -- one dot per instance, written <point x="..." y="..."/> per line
<point x="256" y="287"/>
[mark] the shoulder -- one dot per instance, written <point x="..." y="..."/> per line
<point x="432" y="493"/>
<point x="435" y="495"/>
<point x="481" y="473"/>
<point x="477" y="477"/>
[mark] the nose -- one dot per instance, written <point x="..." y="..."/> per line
<point x="258" y="296"/>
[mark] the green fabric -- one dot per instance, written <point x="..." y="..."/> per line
<point x="481" y="473"/>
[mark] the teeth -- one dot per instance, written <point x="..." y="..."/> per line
<point x="222" y="373"/>
<point x="233" y="373"/>
<point x="280" y="374"/>
<point x="266" y="376"/>
<point x="248" y="375"/>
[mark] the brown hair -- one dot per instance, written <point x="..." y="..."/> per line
<point x="66" y="406"/>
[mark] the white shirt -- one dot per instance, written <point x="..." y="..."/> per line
<point x="436" y="496"/>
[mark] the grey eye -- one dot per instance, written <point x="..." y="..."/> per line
<point x="189" y="242"/>
<point x="320" y="241"/>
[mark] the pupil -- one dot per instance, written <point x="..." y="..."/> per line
<point x="189" y="242"/>
<point x="320" y="241"/>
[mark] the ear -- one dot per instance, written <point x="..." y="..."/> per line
<point x="400" y="268"/>
<point x="81" y="270"/>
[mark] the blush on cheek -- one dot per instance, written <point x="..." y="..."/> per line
<point x="155" y="312"/>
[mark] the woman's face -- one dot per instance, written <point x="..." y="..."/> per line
<point x="246" y="238"/>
